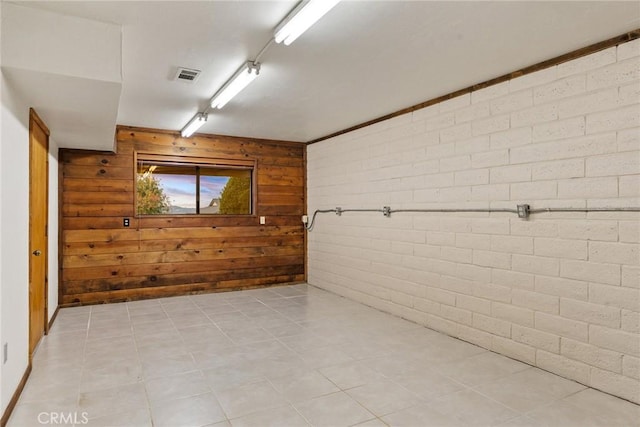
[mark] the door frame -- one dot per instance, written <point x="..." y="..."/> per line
<point x="35" y="120"/>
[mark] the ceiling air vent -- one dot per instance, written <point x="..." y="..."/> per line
<point x="188" y="75"/>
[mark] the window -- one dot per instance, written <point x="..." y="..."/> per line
<point x="193" y="186"/>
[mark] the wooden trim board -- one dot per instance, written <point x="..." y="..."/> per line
<point x="53" y="319"/>
<point x="14" y="399"/>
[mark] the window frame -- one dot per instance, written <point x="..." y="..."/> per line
<point x="215" y="162"/>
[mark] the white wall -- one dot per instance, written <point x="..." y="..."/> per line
<point x="17" y="95"/>
<point x="14" y="264"/>
<point x="14" y="236"/>
<point x="69" y="68"/>
<point x="40" y="40"/>
<point x="559" y="291"/>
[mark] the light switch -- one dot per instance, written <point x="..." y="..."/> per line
<point x="263" y="220"/>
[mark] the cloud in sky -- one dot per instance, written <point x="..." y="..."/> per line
<point x="181" y="188"/>
<point x="211" y="187"/>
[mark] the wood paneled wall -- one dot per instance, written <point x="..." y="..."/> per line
<point x="103" y="261"/>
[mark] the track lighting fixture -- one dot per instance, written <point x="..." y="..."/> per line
<point x="303" y="16"/>
<point x="194" y="124"/>
<point x="307" y="13"/>
<point x="245" y="75"/>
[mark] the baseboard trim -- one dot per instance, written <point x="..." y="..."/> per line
<point x="53" y="318"/>
<point x="14" y="399"/>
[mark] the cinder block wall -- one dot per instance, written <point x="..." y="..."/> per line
<point x="559" y="291"/>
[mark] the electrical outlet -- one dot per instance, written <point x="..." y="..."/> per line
<point x="5" y="353"/>
<point x="523" y="211"/>
<point x="125" y="222"/>
<point x="263" y="220"/>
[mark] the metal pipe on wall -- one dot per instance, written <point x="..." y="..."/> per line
<point x="523" y="211"/>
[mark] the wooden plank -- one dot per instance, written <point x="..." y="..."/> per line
<point x="244" y="283"/>
<point x="131" y="134"/>
<point x="276" y="180"/>
<point x="166" y="291"/>
<point x="183" y="267"/>
<point x="279" y="199"/>
<point x="70" y="236"/>
<point x="93" y="223"/>
<point x="89" y="158"/>
<point x="96" y="223"/>
<point x="280" y="170"/>
<point x="214" y="221"/>
<point x="89" y="184"/>
<point x="106" y="284"/>
<point x="281" y="161"/>
<point x="93" y="197"/>
<point x="240" y="151"/>
<point x="297" y="210"/>
<point x="177" y="233"/>
<point x="89" y="248"/>
<point x="265" y="230"/>
<point x="98" y="210"/>
<point x="280" y="189"/>
<point x="176" y="256"/>
<point x="98" y="172"/>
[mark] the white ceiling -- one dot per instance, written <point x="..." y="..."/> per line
<point x="364" y="59"/>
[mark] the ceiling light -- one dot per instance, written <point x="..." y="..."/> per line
<point x="301" y="18"/>
<point x="194" y="124"/>
<point x="245" y="75"/>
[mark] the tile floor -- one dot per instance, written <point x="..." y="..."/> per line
<point x="286" y="356"/>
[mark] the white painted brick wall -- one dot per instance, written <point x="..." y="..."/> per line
<point x="606" y="99"/>
<point x="587" y="63"/>
<point x="615" y="339"/>
<point x="571" y="168"/>
<point x="630" y="277"/>
<point x="559" y="89"/>
<point x="559" y="129"/>
<point x="592" y="355"/>
<point x="618" y="74"/>
<point x="574" y="289"/>
<point x="536" y="338"/>
<point x="593" y="313"/>
<point x="631" y="321"/>
<point x="560" y="291"/>
<point x="511" y="138"/>
<point x="631" y="367"/>
<point x="562" y="326"/>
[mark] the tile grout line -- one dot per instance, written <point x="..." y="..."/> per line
<point x="143" y="378"/>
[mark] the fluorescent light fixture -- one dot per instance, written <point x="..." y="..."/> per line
<point x="194" y="124"/>
<point x="245" y="75"/>
<point x="301" y="18"/>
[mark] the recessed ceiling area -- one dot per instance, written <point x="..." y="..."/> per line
<point x="362" y="60"/>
